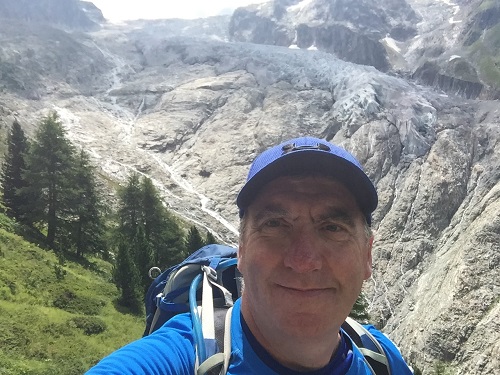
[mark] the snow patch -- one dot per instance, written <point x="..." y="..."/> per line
<point x="391" y="43"/>
<point x="298" y="7"/>
<point x="312" y="48"/>
<point x="456" y="9"/>
<point x="293" y="46"/>
<point x="68" y="118"/>
<point x="454" y="57"/>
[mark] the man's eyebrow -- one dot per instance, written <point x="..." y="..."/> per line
<point x="269" y="211"/>
<point x="337" y="214"/>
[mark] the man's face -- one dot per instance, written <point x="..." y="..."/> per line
<point x="304" y="255"/>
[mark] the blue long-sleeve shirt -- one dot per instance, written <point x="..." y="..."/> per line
<point x="170" y="351"/>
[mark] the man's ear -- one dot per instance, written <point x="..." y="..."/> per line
<point x="241" y="251"/>
<point x="369" y="259"/>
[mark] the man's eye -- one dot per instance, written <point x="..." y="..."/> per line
<point x="272" y="223"/>
<point x="332" y="228"/>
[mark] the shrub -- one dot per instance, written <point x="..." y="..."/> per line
<point x="8" y="290"/>
<point x="441" y="368"/>
<point x="14" y="338"/>
<point x="416" y="370"/>
<point x="70" y="301"/>
<point x="5" y="293"/>
<point x="60" y="272"/>
<point x="56" y="330"/>
<point x="90" y="325"/>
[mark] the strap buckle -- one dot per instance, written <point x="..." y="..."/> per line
<point x="210" y="272"/>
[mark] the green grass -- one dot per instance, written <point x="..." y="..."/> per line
<point x="486" y="51"/>
<point x="56" y="318"/>
<point x="463" y="70"/>
<point x="490" y="69"/>
<point x="487" y="4"/>
<point x="443" y="368"/>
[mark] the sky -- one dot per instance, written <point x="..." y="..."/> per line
<point x="118" y="10"/>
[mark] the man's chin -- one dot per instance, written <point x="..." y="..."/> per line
<point x="308" y="327"/>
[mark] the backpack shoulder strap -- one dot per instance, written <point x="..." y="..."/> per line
<point x="219" y="360"/>
<point x="227" y="340"/>
<point x="373" y="353"/>
<point x="209" y="359"/>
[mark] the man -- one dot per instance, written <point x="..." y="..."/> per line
<point x="305" y="250"/>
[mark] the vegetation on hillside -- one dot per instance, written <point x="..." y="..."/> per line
<point x="483" y="41"/>
<point x="72" y="270"/>
<point x="56" y="317"/>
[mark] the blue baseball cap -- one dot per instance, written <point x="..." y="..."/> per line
<point x="309" y="155"/>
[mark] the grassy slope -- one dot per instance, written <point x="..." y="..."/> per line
<point x="38" y="338"/>
<point x="486" y="50"/>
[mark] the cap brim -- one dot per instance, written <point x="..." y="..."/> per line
<point x="312" y="161"/>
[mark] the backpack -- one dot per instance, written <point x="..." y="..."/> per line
<point x="209" y="278"/>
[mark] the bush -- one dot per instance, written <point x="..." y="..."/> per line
<point x="56" y="330"/>
<point x="60" y="272"/>
<point x="90" y="325"/>
<point x="7" y="223"/>
<point x="416" y="370"/>
<point x="8" y="289"/>
<point x="69" y="301"/>
<point x="441" y="368"/>
<point x="359" y="311"/>
<point x="14" y="338"/>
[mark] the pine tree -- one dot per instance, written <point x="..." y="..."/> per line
<point x="193" y="240"/>
<point x="141" y="250"/>
<point x="161" y="229"/>
<point x="173" y="249"/>
<point x="359" y="310"/>
<point x="12" y="171"/>
<point x="144" y="222"/>
<point x="126" y="278"/>
<point x="153" y="212"/>
<point x="130" y="209"/>
<point x="210" y="239"/>
<point x="49" y="173"/>
<point x="87" y="228"/>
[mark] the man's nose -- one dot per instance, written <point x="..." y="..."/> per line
<point x="303" y="255"/>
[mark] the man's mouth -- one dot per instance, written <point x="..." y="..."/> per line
<point x="305" y="292"/>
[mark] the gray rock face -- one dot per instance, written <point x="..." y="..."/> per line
<point x="448" y="40"/>
<point x="344" y="43"/>
<point x="458" y="40"/>
<point x="349" y="29"/>
<point x="430" y="74"/>
<point x="70" y="14"/>
<point x="247" y="26"/>
<point x="49" y="55"/>
<point x="191" y="113"/>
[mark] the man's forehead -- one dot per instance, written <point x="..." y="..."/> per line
<point x="328" y="196"/>
<point x="320" y="212"/>
<point x="313" y="185"/>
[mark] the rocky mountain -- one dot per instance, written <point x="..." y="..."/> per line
<point x="190" y="103"/>
<point x="349" y="29"/>
<point x="68" y="14"/>
<point x="451" y="46"/>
